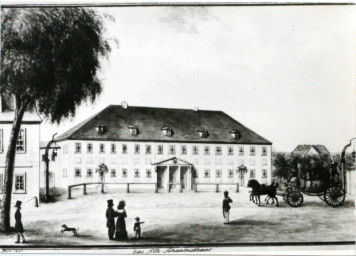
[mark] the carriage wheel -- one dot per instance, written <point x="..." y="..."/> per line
<point x="294" y="198"/>
<point x="334" y="196"/>
<point x="321" y="196"/>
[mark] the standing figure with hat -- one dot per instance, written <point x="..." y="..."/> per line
<point x="226" y="207"/>
<point x="18" y="224"/>
<point x="137" y="227"/>
<point x="111" y="214"/>
<point x="121" y="232"/>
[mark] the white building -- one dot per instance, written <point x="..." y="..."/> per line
<point x="27" y="159"/>
<point x="162" y="146"/>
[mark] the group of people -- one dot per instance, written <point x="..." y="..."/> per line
<point x="118" y="231"/>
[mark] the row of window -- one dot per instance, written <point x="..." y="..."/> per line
<point x="171" y="149"/>
<point x="20" y="144"/>
<point x="230" y="173"/>
<point x="113" y="173"/>
<point x="20" y="183"/>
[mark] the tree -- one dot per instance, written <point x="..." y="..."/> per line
<point x="49" y="62"/>
<point x="282" y="166"/>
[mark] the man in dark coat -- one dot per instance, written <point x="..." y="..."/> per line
<point x="111" y="214"/>
<point x="18" y="224"/>
<point x="226" y="207"/>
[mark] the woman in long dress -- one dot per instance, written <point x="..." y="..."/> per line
<point x="121" y="232"/>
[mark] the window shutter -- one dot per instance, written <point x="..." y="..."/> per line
<point x="24" y="182"/>
<point x="1" y="183"/>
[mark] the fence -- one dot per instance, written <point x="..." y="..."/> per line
<point x="107" y="183"/>
<point x="217" y="186"/>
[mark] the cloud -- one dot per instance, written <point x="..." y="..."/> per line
<point x="186" y="19"/>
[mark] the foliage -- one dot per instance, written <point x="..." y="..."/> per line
<point x="50" y="57"/>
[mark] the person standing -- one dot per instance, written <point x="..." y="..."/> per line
<point x="110" y="216"/>
<point x="226" y="207"/>
<point x="121" y="232"/>
<point x="137" y="227"/>
<point x="18" y="224"/>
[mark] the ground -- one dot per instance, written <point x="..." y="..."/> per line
<point x="185" y="218"/>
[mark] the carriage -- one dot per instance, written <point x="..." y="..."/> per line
<point x="315" y="182"/>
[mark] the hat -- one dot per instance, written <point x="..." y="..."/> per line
<point x="110" y="202"/>
<point x="18" y="204"/>
<point x="226" y="192"/>
<point x="137" y="218"/>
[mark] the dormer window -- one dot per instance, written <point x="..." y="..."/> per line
<point x="235" y="134"/>
<point x="203" y="133"/>
<point x="133" y="130"/>
<point x="100" y="129"/>
<point x="167" y="131"/>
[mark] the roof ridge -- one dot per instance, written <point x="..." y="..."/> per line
<point x="191" y="109"/>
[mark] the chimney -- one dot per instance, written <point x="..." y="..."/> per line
<point x="196" y="108"/>
<point x="124" y="104"/>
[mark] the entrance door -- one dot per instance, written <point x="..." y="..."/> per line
<point x="159" y="177"/>
<point x="242" y="179"/>
<point x="51" y="180"/>
<point x="183" y="177"/>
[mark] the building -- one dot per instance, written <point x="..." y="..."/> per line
<point x="27" y="159"/>
<point x="161" y="146"/>
<point x="311" y="150"/>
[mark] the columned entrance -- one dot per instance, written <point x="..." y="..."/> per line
<point x="174" y="174"/>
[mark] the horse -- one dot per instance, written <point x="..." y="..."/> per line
<point x="258" y="190"/>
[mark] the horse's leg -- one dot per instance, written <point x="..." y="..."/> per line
<point x="259" y="200"/>
<point x="267" y="198"/>
<point x="276" y="200"/>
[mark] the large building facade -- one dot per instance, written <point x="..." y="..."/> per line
<point x="164" y="147"/>
<point x="26" y="182"/>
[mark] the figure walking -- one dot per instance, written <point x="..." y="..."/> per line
<point x="121" y="232"/>
<point x="110" y="216"/>
<point x="18" y="224"/>
<point x="137" y="227"/>
<point x="226" y="207"/>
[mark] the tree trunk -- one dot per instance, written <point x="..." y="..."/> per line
<point x="9" y="167"/>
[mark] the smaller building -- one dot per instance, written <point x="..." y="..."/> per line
<point x="310" y="150"/>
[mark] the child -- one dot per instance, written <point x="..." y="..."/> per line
<point x="110" y="216"/>
<point x="226" y="207"/>
<point x="18" y="225"/>
<point x="137" y="227"/>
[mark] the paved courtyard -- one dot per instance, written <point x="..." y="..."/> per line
<point x="186" y="218"/>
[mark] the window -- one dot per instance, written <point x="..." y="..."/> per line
<point x="89" y="173"/>
<point x="20" y="183"/>
<point x="264" y="151"/>
<point x="148" y="149"/>
<point x="89" y="148"/>
<point x="148" y="173"/>
<point x="1" y="142"/>
<point x="252" y="151"/>
<point x="241" y="151"/>
<point x="183" y="150"/>
<point x="167" y="131"/>
<point x="264" y="173"/>
<point x="113" y="148"/>
<point x="124" y="148"/>
<point x="230" y="151"/>
<point x="1" y="183"/>
<point x="264" y="161"/>
<point x="101" y="148"/>
<point x="207" y="173"/>
<point x="21" y="141"/>
<point x="64" y="174"/>
<point x="137" y="173"/>
<point x="124" y="173"/>
<point x="230" y="173"/>
<point x="137" y="149"/>
<point x="195" y="150"/>
<point x="112" y="173"/>
<point x="159" y="149"/>
<point x="133" y="130"/>
<point x="207" y="150"/>
<point x="218" y="150"/>
<point x="78" y="148"/>
<point x="252" y="174"/>
<point x="218" y="173"/>
<point x="77" y="173"/>
<point x="172" y="149"/>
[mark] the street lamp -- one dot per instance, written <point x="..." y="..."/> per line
<point x="46" y="160"/>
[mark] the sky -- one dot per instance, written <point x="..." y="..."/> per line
<point x="286" y="72"/>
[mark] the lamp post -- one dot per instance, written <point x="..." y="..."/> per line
<point x="343" y="162"/>
<point x="46" y="160"/>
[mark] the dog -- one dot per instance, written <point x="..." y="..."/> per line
<point x="74" y="230"/>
